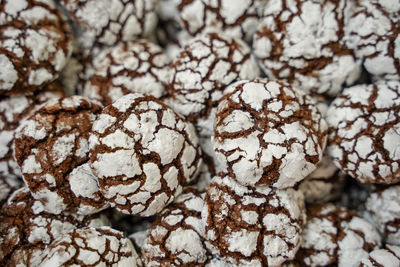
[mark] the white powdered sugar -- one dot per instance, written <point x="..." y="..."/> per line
<point x="258" y="139"/>
<point x="144" y="158"/>
<point x="238" y="18"/>
<point x="137" y="67"/>
<point x="384" y="207"/>
<point x="356" y="118"/>
<point x="260" y="226"/>
<point x="62" y="125"/>
<point x="177" y="237"/>
<point x="385" y="257"/>
<point x="109" y="22"/>
<point x="200" y="73"/>
<point x="373" y="33"/>
<point x="33" y="54"/>
<point x="320" y="63"/>
<point x="91" y="246"/>
<point x="335" y="235"/>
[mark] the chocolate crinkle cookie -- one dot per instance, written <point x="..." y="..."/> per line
<point x="373" y="32"/>
<point x="35" y="44"/>
<point x="301" y="42"/>
<point x="364" y="132"/>
<point x="13" y="110"/>
<point x="324" y="184"/>
<point x="26" y="228"/>
<point x="90" y="246"/>
<point x="130" y="67"/>
<point x="252" y="226"/>
<point x="335" y="236"/>
<point x="51" y="147"/>
<point x="384" y="207"/>
<point x="268" y="133"/>
<point x="236" y="18"/>
<point x="382" y="257"/>
<point x="176" y="238"/>
<point x="103" y="22"/>
<point x="142" y="153"/>
<point x="202" y="70"/>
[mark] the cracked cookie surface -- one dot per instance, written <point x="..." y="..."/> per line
<point x="104" y="22"/>
<point x="257" y="227"/>
<point x="373" y="32"/>
<point x="35" y="44"/>
<point x="26" y="228"/>
<point x="90" y="246"/>
<point x="203" y="69"/>
<point x="51" y="147"/>
<point x="318" y="64"/>
<point x="13" y="110"/>
<point x="236" y="18"/>
<point x="143" y="153"/>
<point x="364" y="132"/>
<point x="176" y="238"/>
<point x="335" y="235"/>
<point x="268" y="133"/>
<point x="137" y="67"/>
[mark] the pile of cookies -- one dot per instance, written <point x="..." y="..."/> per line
<point x="199" y="133"/>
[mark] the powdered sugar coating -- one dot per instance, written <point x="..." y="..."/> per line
<point x="359" y="117"/>
<point x="205" y="66"/>
<point x="51" y="147"/>
<point x="324" y="184"/>
<point x="268" y="133"/>
<point x="26" y="228"/>
<point x="91" y="247"/>
<point x="35" y="45"/>
<point x="373" y="33"/>
<point x="384" y="207"/>
<point x="139" y="67"/>
<point x="257" y="227"/>
<point x="143" y="153"/>
<point x="104" y="22"/>
<point x="8" y="184"/>
<point x="13" y="110"/>
<point x="320" y="63"/>
<point x="235" y="18"/>
<point x="385" y="257"/>
<point x="335" y="235"/>
<point x="177" y="236"/>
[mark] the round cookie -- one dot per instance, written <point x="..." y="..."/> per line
<point x="373" y="33"/>
<point x="90" y="246"/>
<point x="236" y="18"/>
<point x="205" y="66"/>
<point x="104" y="22"/>
<point x="13" y="110"/>
<point x="301" y="42"/>
<point x="335" y="236"/>
<point x="35" y="44"/>
<point x="384" y="207"/>
<point x="26" y="228"/>
<point x="139" y="67"/>
<point x="324" y="184"/>
<point x="252" y="226"/>
<point x="364" y="126"/>
<point x="51" y="147"/>
<point x="268" y="133"/>
<point x="142" y="153"/>
<point x="176" y="238"/>
<point x="385" y="257"/>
